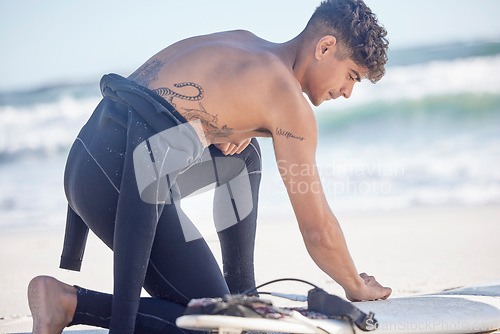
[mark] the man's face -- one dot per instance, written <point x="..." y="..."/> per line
<point x="332" y="77"/>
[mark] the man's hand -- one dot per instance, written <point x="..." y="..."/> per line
<point x="371" y="290"/>
<point x="230" y="148"/>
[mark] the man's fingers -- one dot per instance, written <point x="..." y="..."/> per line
<point x="226" y="148"/>
<point x="230" y="148"/>
<point x="233" y="149"/>
<point x="388" y="293"/>
<point x="377" y="290"/>
<point x="243" y="146"/>
<point x="367" y="278"/>
<point x="223" y="146"/>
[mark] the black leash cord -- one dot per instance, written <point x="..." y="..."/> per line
<point x="279" y="280"/>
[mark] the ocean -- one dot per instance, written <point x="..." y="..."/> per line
<point x="428" y="134"/>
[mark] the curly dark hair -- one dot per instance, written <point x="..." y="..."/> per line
<point x="357" y="30"/>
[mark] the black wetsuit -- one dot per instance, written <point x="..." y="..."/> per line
<point x="131" y="164"/>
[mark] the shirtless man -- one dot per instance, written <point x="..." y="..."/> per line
<point x="230" y="87"/>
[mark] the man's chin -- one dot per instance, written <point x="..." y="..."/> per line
<point x="315" y="102"/>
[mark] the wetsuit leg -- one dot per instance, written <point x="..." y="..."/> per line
<point x="180" y="276"/>
<point x="237" y="178"/>
<point x="238" y="240"/>
<point x="101" y="189"/>
<point x="235" y="214"/>
<point x="179" y="270"/>
<point x="155" y="315"/>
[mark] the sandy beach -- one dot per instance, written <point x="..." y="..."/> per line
<point x="413" y="251"/>
<point x="409" y="165"/>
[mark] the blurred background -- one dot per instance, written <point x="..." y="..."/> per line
<point x="426" y="135"/>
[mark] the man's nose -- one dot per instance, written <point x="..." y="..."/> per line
<point x="347" y="90"/>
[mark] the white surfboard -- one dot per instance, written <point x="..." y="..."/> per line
<point x="234" y="325"/>
<point x="473" y="309"/>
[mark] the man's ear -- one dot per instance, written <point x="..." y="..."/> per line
<point x="325" y="45"/>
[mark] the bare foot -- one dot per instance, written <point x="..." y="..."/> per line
<point x="52" y="304"/>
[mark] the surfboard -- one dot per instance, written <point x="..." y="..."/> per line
<point x="224" y="324"/>
<point x="473" y="309"/>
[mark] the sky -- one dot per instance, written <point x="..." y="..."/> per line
<point x="54" y="41"/>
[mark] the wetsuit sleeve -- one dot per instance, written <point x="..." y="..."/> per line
<point x="75" y="238"/>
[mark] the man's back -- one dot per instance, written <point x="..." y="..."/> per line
<point x="233" y="82"/>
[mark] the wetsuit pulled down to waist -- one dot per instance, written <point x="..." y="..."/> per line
<point x="131" y="164"/>
<point x="135" y="139"/>
<point x="133" y="119"/>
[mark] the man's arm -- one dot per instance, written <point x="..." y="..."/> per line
<point x="295" y="141"/>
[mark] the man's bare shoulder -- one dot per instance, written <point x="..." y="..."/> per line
<point x="251" y="64"/>
<point x="274" y="82"/>
<point x="267" y="75"/>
